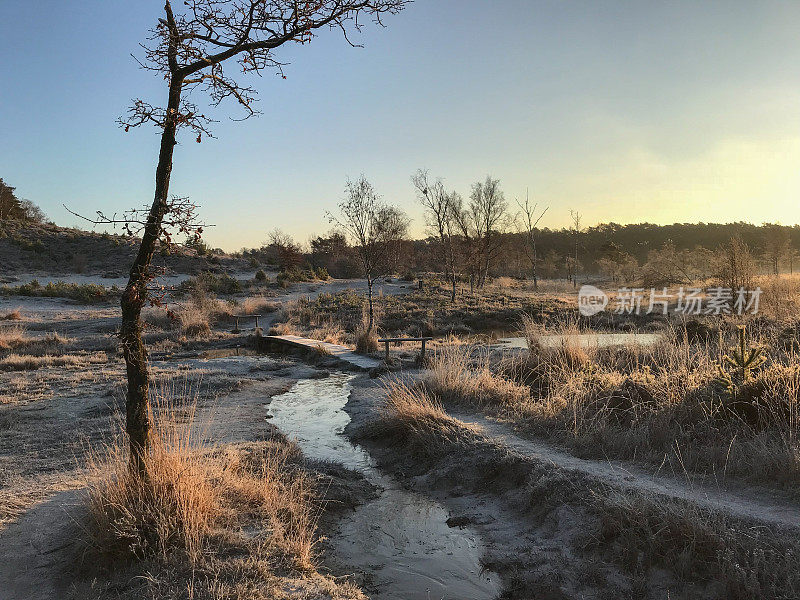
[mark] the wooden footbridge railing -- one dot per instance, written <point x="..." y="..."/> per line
<point x="387" y="341"/>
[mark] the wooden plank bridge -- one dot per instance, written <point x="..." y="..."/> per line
<point x="365" y="363"/>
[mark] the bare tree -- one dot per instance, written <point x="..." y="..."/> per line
<point x="487" y="212"/>
<point x="530" y="222"/>
<point x="467" y="241"/>
<point x="188" y="49"/>
<point x="575" y="216"/>
<point x="734" y="264"/>
<point x="32" y="212"/>
<point x="440" y="212"/>
<point x="375" y="229"/>
<point x="667" y="266"/>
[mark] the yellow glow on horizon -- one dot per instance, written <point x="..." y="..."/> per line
<point x="736" y="180"/>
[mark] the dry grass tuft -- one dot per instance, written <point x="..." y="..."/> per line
<point x="236" y="517"/>
<point x="258" y="305"/>
<point x="194" y="317"/>
<point x="644" y="531"/>
<point x="14" y="338"/>
<point x="24" y="362"/>
<point x="456" y="376"/>
<point x="14" y="315"/>
<point x="195" y="324"/>
<point x="366" y="340"/>
<point x="173" y="508"/>
<point x="158" y="317"/>
<point x="411" y="415"/>
<point x="780" y="297"/>
<point x="283" y="329"/>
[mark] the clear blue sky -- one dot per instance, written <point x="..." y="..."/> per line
<point x="627" y="111"/>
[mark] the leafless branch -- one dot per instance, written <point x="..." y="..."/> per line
<point x="190" y="46"/>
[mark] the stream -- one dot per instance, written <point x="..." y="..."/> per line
<point x="400" y="539"/>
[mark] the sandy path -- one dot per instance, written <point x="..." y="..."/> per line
<point x="35" y="551"/>
<point x="757" y="504"/>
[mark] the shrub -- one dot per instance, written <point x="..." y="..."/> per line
<point x="211" y="282"/>
<point x="12" y="337"/>
<point x="197" y="328"/>
<point x="86" y="292"/>
<point x="295" y="274"/>
<point x="198" y="244"/>
<point x="261" y="276"/>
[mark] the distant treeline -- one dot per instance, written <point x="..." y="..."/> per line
<point x="639" y="239"/>
<point x="656" y="253"/>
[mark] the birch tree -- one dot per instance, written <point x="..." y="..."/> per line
<point x="375" y="230"/>
<point x="441" y="211"/>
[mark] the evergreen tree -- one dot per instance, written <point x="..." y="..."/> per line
<point x="10" y="206"/>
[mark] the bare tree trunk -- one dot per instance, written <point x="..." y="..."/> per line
<point x="137" y="405"/>
<point x="452" y="260"/>
<point x="369" y="301"/>
<point x="575" y="268"/>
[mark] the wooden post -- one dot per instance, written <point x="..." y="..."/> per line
<point x="236" y="328"/>
<point x="387" y="351"/>
<point x="422" y="354"/>
<point x="257" y="320"/>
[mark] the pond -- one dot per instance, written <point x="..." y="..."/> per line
<point x="586" y="340"/>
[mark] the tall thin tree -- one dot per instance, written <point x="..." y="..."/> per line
<point x="575" y="217"/>
<point x="487" y="207"/>
<point x="440" y="212"/>
<point x="189" y="49"/>
<point x="530" y="223"/>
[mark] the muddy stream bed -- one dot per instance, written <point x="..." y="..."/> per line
<point x="400" y="539"/>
